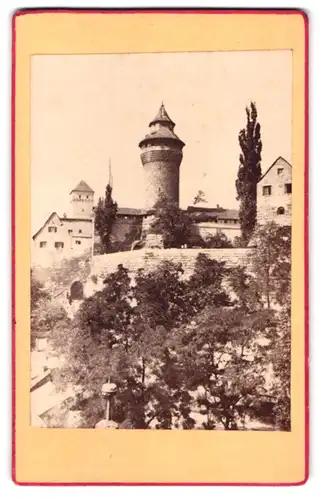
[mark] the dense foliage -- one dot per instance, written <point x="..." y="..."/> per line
<point x="105" y="215"/>
<point x="172" y="223"/>
<point x="195" y="351"/>
<point x="249" y="171"/>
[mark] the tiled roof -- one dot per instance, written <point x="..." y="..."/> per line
<point x="162" y="116"/>
<point x="131" y="211"/>
<point x="75" y="219"/>
<point x="162" y="133"/>
<point x="219" y="213"/>
<point x="82" y="187"/>
<point x="228" y="214"/>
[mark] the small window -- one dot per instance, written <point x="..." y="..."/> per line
<point x="80" y="231"/>
<point x="59" y="244"/>
<point x="52" y="229"/>
<point x="87" y="196"/>
<point x="280" y="171"/>
<point x="79" y="196"/>
<point x="267" y="190"/>
<point x="281" y="211"/>
<point x="70" y="231"/>
<point x="288" y="188"/>
<point x="78" y="242"/>
<point x="42" y="244"/>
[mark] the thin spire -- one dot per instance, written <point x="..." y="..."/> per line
<point x="110" y="177"/>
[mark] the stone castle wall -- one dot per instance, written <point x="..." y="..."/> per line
<point x="150" y="259"/>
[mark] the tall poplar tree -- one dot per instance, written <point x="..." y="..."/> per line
<point x="249" y="171"/>
<point x="105" y="215"/>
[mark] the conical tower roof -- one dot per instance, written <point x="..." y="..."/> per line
<point x="164" y="132"/>
<point x="162" y="117"/>
<point x="82" y="187"/>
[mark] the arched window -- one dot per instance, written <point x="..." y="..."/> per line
<point x="281" y="211"/>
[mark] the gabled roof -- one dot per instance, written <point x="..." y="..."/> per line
<point x="46" y="222"/>
<point x="162" y="116"/>
<point x="280" y="158"/>
<point x="76" y="219"/>
<point x="82" y="187"/>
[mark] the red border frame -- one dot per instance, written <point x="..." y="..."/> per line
<point x="306" y="226"/>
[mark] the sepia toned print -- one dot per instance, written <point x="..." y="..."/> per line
<point x="161" y="241"/>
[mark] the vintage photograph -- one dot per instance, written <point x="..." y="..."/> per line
<point x="161" y="215"/>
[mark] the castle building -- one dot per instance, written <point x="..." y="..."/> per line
<point x="274" y="194"/>
<point x="161" y="157"/>
<point x="82" y="201"/>
<point x="61" y="237"/>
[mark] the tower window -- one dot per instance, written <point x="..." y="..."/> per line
<point x="281" y="211"/>
<point x="280" y="171"/>
<point x="59" y="244"/>
<point x="42" y="244"/>
<point x="288" y="188"/>
<point x="78" y="242"/>
<point x="267" y="190"/>
<point x="52" y="229"/>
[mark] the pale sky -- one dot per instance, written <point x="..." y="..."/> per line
<point x="86" y="109"/>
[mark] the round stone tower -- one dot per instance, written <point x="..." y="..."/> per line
<point x="161" y="158"/>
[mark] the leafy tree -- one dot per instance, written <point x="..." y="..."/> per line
<point x="218" y="240"/>
<point x="280" y="357"/>
<point x="249" y="171"/>
<point x="172" y="223"/>
<point x="105" y="215"/>
<point x="239" y="242"/>
<point x="245" y="288"/>
<point x="199" y="198"/>
<point x="171" y="345"/>
<point x="37" y="292"/>
<point x="45" y="312"/>
<point x="220" y="356"/>
<point x="270" y="261"/>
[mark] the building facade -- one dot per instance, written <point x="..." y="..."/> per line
<point x="274" y="194"/>
<point x="64" y="237"/>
